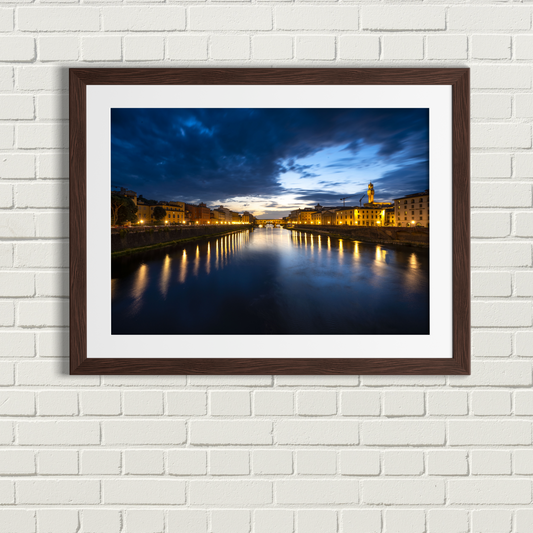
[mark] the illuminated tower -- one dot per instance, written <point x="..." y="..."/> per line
<point x="370" y="193"/>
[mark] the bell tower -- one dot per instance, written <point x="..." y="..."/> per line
<point x="370" y="193"/>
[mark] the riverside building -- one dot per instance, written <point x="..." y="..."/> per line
<point x="412" y="210"/>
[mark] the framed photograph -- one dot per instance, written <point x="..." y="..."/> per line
<point x="269" y="221"/>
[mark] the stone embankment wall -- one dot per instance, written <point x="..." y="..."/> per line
<point x="137" y="237"/>
<point x="388" y="235"/>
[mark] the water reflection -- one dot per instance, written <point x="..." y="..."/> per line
<point x="272" y="281"/>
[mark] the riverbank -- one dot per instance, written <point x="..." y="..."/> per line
<point x="416" y="236"/>
<point x="125" y="241"/>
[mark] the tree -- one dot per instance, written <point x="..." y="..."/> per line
<point x="122" y="210"/>
<point x="159" y="213"/>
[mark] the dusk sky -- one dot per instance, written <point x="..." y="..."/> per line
<point x="270" y="161"/>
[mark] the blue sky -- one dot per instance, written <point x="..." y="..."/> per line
<point x="269" y="161"/>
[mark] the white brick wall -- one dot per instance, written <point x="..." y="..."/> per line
<point x="262" y="454"/>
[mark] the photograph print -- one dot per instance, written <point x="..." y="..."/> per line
<point x="274" y="221"/>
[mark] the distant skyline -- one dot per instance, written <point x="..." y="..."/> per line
<point x="269" y="161"/>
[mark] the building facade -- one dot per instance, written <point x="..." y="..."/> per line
<point x="412" y="210"/>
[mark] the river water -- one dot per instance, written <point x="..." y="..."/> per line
<point x="272" y="280"/>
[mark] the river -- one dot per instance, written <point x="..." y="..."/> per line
<point x="272" y="281"/>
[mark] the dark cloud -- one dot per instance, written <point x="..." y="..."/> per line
<point x="214" y="155"/>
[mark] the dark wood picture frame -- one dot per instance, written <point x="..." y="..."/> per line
<point x="457" y="78"/>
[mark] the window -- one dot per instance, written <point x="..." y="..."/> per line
<point x="412" y="212"/>
<point x="420" y="212"/>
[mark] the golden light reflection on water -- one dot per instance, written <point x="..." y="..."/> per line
<point x="413" y="261"/>
<point x="114" y="287"/>
<point x="208" y="262"/>
<point x="197" y="261"/>
<point x="139" y="286"/>
<point x="183" y="267"/>
<point x="329" y="244"/>
<point x="165" y="276"/>
<point x="356" y="253"/>
<point x="341" y="249"/>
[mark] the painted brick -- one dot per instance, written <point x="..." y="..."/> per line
<point x="316" y="462"/>
<point x="186" y="403"/>
<point x="226" y="432"/>
<point x="131" y="18"/>
<point x="230" y="47"/>
<point x="58" y="492"/>
<point x="143" y="403"/>
<point x="187" y="521"/>
<point x="17" y="521"/>
<point x="491" y="403"/>
<point x="447" y="463"/>
<point x="524" y="105"/>
<point x="229" y="462"/>
<point x="230" y="521"/>
<point x="491" y="165"/>
<point x="490" y="224"/>
<point x="101" y="520"/>
<point x="490" y="462"/>
<point x="501" y="136"/>
<point x="144" y="48"/>
<point x="393" y="17"/>
<point x="448" y="521"/>
<point x="58" y="432"/>
<point x="496" y="18"/>
<point x="445" y="403"/>
<point x="403" y="47"/>
<point x="315" y="47"/>
<point x="268" y="520"/>
<point x="523" y="403"/>
<point x="447" y="47"/>
<point x="360" y="463"/>
<point x="489" y="491"/>
<point x="317" y="521"/>
<point x="272" y="462"/>
<point x="491" y="284"/>
<point x="101" y="48"/>
<point x="495" y="374"/>
<point x="316" y="18"/>
<point x="230" y="492"/>
<point x="270" y="47"/>
<point x="317" y="492"/>
<point x="523" y="462"/>
<point x="491" y="344"/>
<point x="143" y="432"/>
<point x="491" y="46"/>
<point x="144" y="462"/>
<point x="100" y="403"/>
<point x="187" y="47"/>
<point x="316" y="403"/>
<point x="360" y="403"/>
<point x="402" y="433"/>
<point x="487" y="433"/>
<point x="101" y="462"/>
<point x="58" y="19"/>
<point x="403" y="463"/>
<point x="312" y="432"/>
<point x="57" y="520"/>
<point x="403" y="403"/>
<point x="501" y="77"/>
<point x="58" y="48"/>
<point x="17" y="462"/>
<point x="187" y="462"/>
<point x="402" y="492"/>
<point x="143" y="491"/>
<point x="359" y="47"/>
<point x="230" y="18"/>
<point x="523" y="223"/>
<point x="362" y="520"/>
<point x="405" y="521"/>
<point x="492" y="520"/>
<point x="57" y="462"/>
<point x="267" y="403"/>
<point x="16" y="106"/>
<point x="501" y="254"/>
<point x="491" y="106"/>
<point x="230" y="403"/>
<point x="145" y="521"/>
